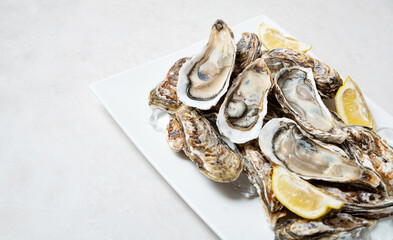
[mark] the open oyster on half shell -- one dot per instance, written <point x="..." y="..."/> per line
<point x="284" y="143"/>
<point x="296" y="92"/>
<point x="205" y="78"/>
<point x="241" y="114"/>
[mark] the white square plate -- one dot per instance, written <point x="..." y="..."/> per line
<point x="228" y="214"/>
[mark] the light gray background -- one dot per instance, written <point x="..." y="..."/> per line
<point x="66" y="170"/>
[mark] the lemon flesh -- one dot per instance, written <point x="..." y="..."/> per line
<point x="301" y="197"/>
<point x="272" y="38"/>
<point x="351" y="105"/>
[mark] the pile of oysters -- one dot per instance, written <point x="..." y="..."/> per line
<point x="238" y="108"/>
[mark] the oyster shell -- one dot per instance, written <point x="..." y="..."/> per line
<point x="241" y="115"/>
<point x="248" y="50"/>
<point x="205" y="78"/>
<point x="286" y="144"/>
<point x="372" y="152"/>
<point x="327" y="79"/>
<point x="361" y="203"/>
<point x="341" y="226"/>
<point x="259" y="171"/>
<point x="203" y="146"/>
<point x="175" y="135"/>
<point x="164" y="95"/>
<point x="297" y="94"/>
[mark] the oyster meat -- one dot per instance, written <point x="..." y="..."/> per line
<point x="372" y="152"/>
<point x="205" y="78"/>
<point x="164" y="95"/>
<point x="241" y="114"/>
<point x="248" y="50"/>
<point x="297" y="94"/>
<point x="193" y="134"/>
<point x="327" y="79"/>
<point x="286" y="144"/>
<point x="340" y="226"/>
<point x="259" y="171"/>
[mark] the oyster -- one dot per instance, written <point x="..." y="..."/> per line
<point x="175" y="135"/>
<point x="361" y="203"/>
<point x="164" y="95"/>
<point x="340" y="226"/>
<point x="203" y="146"/>
<point x="327" y="79"/>
<point x="286" y="144"/>
<point x="241" y="115"/>
<point x="205" y="78"/>
<point x="297" y="94"/>
<point x="248" y="50"/>
<point x="259" y="171"/>
<point x="372" y="152"/>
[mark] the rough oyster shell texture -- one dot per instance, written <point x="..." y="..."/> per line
<point x="259" y="171"/>
<point x="327" y="79"/>
<point x="203" y="146"/>
<point x="340" y="226"/>
<point x="371" y="151"/>
<point x="248" y="49"/>
<point x="293" y="126"/>
<point x="164" y="95"/>
<point x="360" y="203"/>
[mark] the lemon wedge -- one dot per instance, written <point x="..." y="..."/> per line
<point x="272" y="38"/>
<point x="301" y="197"/>
<point x="351" y="105"/>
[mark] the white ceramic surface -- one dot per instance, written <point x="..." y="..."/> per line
<point x="229" y="214"/>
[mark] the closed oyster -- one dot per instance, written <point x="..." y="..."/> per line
<point x="203" y="146"/>
<point x="175" y="135"/>
<point x="341" y="226"/>
<point x="164" y="95"/>
<point x="296" y="92"/>
<point x="241" y="114"/>
<point x="248" y="50"/>
<point x="286" y="144"/>
<point x="205" y="78"/>
<point x="327" y="79"/>
<point x="372" y="152"/>
<point x="259" y="171"/>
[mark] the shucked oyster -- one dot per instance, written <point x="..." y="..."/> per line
<point x="248" y="50"/>
<point x="241" y="114"/>
<point x="164" y="95"/>
<point x="327" y="79"/>
<point x="286" y="144"/>
<point x="259" y="171"/>
<point x="372" y="152"/>
<point x="341" y="226"/>
<point x="296" y="92"/>
<point x="193" y="134"/>
<point x="205" y="78"/>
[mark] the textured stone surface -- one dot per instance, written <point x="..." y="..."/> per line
<point x="66" y="170"/>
